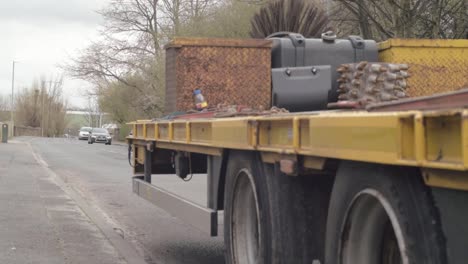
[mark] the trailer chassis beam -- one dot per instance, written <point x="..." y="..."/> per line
<point x="202" y="218"/>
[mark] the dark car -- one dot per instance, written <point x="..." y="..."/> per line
<point x="99" y="135"/>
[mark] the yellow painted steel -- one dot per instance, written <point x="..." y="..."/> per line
<point x="140" y="155"/>
<point x="163" y="129"/>
<point x="407" y="138"/>
<point x="435" y="65"/>
<point x="149" y="131"/>
<point x="208" y="150"/>
<point x="419" y="137"/>
<point x="277" y="134"/>
<point x="156" y="131"/>
<point x="171" y="131"/>
<point x="179" y="132"/>
<point x="232" y="133"/>
<point x="431" y="139"/>
<point x="188" y="132"/>
<point x="200" y="132"/>
<point x="374" y="138"/>
<point x="447" y="179"/>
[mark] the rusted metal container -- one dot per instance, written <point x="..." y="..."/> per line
<point x="435" y="65"/>
<point x="228" y="71"/>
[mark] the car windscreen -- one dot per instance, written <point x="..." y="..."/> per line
<point x="99" y="130"/>
<point x="87" y="129"/>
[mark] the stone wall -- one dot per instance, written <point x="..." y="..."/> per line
<point x="27" y="131"/>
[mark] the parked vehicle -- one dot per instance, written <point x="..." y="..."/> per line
<point x="84" y="133"/>
<point x="385" y="182"/>
<point x="99" y="135"/>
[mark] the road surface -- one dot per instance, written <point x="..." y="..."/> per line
<point x="97" y="179"/>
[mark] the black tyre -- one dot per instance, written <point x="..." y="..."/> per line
<point x="246" y="220"/>
<point x="270" y="217"/>
<point x="382" y="214"/>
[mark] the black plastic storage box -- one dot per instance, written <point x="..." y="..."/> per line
<point x="301" y="88"/>
<point x="293" y="50"/>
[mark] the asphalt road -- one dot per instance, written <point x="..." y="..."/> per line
<point x="98" y="178"/>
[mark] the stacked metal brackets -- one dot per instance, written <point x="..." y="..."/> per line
<point x="372" y="82"/>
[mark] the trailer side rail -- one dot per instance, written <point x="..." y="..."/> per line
<point x="430" y="139"/>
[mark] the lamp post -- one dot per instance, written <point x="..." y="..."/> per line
<point x="12" y="91"/>
<point x="327" y="7"/>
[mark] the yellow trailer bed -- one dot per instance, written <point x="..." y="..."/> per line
<point x="429" y="139"/>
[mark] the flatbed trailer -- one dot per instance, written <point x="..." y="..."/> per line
<point x="342" y="186"/>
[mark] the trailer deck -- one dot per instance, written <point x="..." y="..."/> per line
<point x="427" y="139"/>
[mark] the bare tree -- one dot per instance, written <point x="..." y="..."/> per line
<point x="128" y="52"/>
<point x="5" y="102"/>
<point x="93" y="112"/>
<point x="382" y="19"/>
<point x="132" y="38"/>
<point x="42" y="105"/>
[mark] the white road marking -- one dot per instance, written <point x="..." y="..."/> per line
<point x="96" y="214"/>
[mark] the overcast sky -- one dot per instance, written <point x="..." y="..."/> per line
<point x="41" y="34"/>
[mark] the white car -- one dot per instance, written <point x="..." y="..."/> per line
<point x="84" y="133"/>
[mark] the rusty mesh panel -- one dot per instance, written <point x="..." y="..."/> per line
<point x="171" y="81"/>
<point x="230" y="74"/>
<point x="434" y="66"/>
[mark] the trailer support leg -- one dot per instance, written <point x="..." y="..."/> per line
<point x="213" y="182"/>
<point x="148" y="165"/>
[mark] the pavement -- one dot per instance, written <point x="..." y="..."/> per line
<point x="65" y="201"/>
<point x="39" y="221"/>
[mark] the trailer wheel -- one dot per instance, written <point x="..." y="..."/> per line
<point x="246" y="233"/>
<point x="382" y="214"/>
<point x="270" y="217"/>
